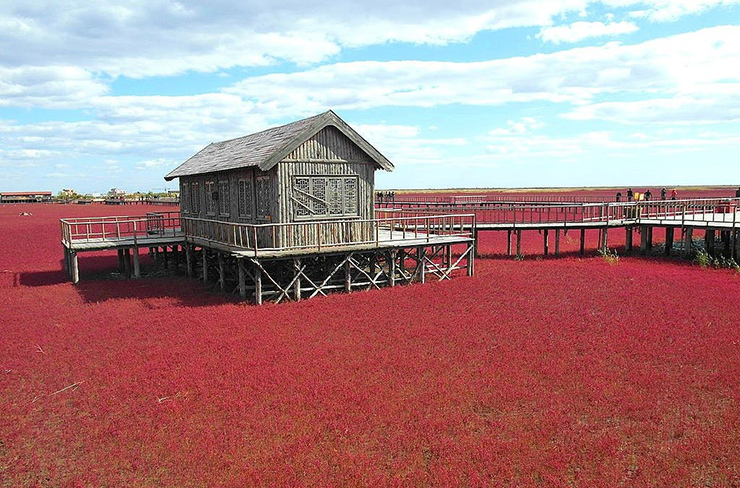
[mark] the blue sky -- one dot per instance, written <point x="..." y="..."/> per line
<point x="502" y="93"/>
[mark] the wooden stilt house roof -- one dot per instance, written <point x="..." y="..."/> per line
<point x="266" y="148"/>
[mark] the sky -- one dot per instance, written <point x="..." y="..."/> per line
<point x="497" y="93"/>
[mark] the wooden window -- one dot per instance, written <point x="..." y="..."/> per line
<point x="210" y="201"/>
<point x="223" y="197"/>
<point x="245" y="199"/>
<point x="263" y="196"/>
<point x="194" y="197"/>
<point x="325" y="196"/>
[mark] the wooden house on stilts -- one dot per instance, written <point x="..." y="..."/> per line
<point x="288" y="213"/>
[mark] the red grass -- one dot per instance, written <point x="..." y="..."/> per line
<point x="549" y="372"/>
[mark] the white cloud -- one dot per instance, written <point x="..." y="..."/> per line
<point x="671" y="10"/>
<point x="696" y="62"/>
<point x="579" y="31"/>
<point x="48" y="86"/>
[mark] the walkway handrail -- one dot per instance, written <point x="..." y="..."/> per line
<point x="94" y="229"/>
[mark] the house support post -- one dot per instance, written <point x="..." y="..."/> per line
<point x="257" y="284"/>
<point x="205" y="265"/>
<point x="242" y="278"/>
<point x="221" y="272"/>
<point x="188" y="260"/>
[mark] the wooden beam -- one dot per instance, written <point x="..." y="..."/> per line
<point x="546" y="241"/>
<point x="420" y="251"/>
<point x="628" y="238"/>
<point x="471" y="259"/>
<point x="583" y="242"/>
<point x="348" y="276"/>
<point x="121" y="265"/>
<point x="643" y="239"/>
<point x="127" y="262"/>
<point x="605" y="242"/>
<point x="557" y="242"/>
<point x="508" y="242"/>
<point x="392" y="267"/>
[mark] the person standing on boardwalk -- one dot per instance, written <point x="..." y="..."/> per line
<point x="737" y="193"/>
<point x="674" y="194"/>
<point x="648" y="195"/>
<point x="663" y="193"/>
<point x="619" y="196"/>
<point x="630" y="194"/>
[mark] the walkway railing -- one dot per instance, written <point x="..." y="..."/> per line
<point x="97" y="229"/>
<point x="327" y="234"/>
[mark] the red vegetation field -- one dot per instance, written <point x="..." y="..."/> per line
<point x="541" y="372"/>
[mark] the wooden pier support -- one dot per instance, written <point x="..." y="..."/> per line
<point x="518" y="243"/>
<point x="669" y="231"/>
<point x="121" y="265"/>
<point x="127" y="262"/>
<point x="297" y="280"/>
<point x="605" y="239"/>
<point x="257" y="284"/>
<point x="709" y="241"/>
<point x="557" y="242"/>
<point x="242" y="278"/>
<point x="221" y="272"/>
<point x="137" y="267"/>
<point x="546" y="241"/>
<point x="205" y="266"/>
<point x="508" y="242"/>
<point x="188" y="260"/>
<point x="75" y="267"/>
<point x="582" y="250"/>
<point x="629" y="231"/>
<point x="688" y="234"/>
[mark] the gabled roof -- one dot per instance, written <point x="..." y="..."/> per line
<point x="265" y="149"/>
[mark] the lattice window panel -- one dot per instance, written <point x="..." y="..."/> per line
<point x="302" y="204"/>
<point x="334" y="198"/>
<point x="195" y="197"/>
<point x="350" y="196"/>
<point x="245" y="198"/>
<point x="318" y="190"/>
<point x="263" y="197"/>
<point x="223" y="197"/>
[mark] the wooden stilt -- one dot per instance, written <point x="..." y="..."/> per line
<point x="471" y="260"/>
<point x="420" y="253"/>
<point x="733" y="243"/>
<point x="176" y="256"/>
<point x="205" y="266"/>
<point x="165" y="256"/>
<point x="643" y="239"/>
<point x="628" y="238"/>
<point x="518" y="243"/>
<point x="348" y="276"/>
<point x="137" y="268"/>
<point x="582" y="250"/>
<point x="297" y="282"/>
<point x="709" y="241"/>
<point x="188" y="260"/>
<point x="508" y="242"/>
<point x="75" y="265"/>
<point x="242" y="278"/>
<point x="257" y="284"/>
<point x="605" y="242"/>
<point x="392" y="267"/>
<point x="545" y="239"/>
<point x="687" y="241"/>
<point x="669" y="240"/>
<point x="557" y="242"/>
<point x="121" y="265"/>
<point x="127" y="262"/>
<point x="221" y="271"/>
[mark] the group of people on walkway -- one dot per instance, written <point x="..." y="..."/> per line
<point x="633" y="196"/>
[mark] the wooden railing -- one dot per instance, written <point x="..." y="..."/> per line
<point x="93" y="229"/>
<point x="327" y="234"/>
<point x="709" y="210"/>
